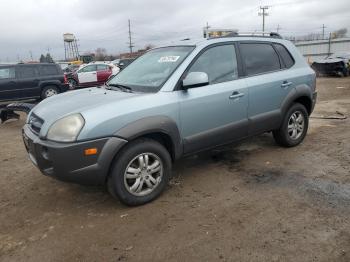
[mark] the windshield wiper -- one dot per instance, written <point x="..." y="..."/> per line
<point x="121" y="87"/>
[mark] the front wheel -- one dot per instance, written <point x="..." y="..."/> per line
<point x="140" y="172"/>
<point x="294" y="126"/>
<point x="49" y="91"/>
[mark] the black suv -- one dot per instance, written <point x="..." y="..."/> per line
<point x="31" y="81"/>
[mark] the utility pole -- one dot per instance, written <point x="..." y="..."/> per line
<point x="278" y="29"/>
<point x="323" y="27"/>
<point x="31" y="55"/>
<point x="206" y="29"/>
<point x="263" y="13"/>
<point x="130" y="42"/>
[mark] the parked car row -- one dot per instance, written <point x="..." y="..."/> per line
<point x="41" y="80"/>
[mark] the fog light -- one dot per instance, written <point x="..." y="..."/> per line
<point x="90" y="151"/>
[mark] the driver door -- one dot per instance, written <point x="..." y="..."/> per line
<point x="216" y="113"/>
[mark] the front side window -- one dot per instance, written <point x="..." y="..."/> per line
<point x="149" y="72"/>
<point x="219" y="63"/>
<point x="7" y="73"/>
<point x="89" y="68"/>
<point x="259" y="58"/>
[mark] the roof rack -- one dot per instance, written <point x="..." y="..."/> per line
<point x="251" y="34"/>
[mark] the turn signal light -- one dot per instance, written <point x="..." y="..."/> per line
<point x="90" y="151"/>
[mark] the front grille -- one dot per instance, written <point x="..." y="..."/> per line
<point x="35" y="123"/>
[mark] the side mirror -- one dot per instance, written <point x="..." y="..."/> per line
<point x="195" y="79"/>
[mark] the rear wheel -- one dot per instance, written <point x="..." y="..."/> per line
<point x="49" y="91"/>
<point x="294" y="126"/>
<point x="140" y="172"/>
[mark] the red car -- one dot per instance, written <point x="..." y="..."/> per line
<point x="93" y="74"/>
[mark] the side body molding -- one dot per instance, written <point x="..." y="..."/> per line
<point x="154" y="124"/>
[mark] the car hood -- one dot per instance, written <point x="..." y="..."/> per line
<point x="59" y="106"/>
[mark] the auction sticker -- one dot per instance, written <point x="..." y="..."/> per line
<point x="168" y="59"/>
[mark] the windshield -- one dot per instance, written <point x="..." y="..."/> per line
<point x="149" y="72"/>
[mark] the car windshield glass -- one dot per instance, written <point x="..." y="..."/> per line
<point x="149" y="72"/>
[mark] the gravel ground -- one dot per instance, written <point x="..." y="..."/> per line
<point x="250" y="202"/>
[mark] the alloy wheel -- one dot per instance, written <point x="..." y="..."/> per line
<point x="143" y="174"/>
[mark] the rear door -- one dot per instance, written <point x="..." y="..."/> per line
<point x="87" y="75"/>
<point x="268" y="84"/>
<point x="103" y="72"/>
<point x="7" y="83"/>
<point x="27" y="84"/>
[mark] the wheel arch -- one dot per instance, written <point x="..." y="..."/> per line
<point x="162" y="129"/>
<point x="301" y="94"/>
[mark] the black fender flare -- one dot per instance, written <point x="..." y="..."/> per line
<point x="297" y="92"/>
<point x="150" y="125"/>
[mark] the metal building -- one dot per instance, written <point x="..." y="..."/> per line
<point x="317" y="49"/>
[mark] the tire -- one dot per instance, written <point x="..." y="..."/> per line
<point x="49" y="91"/>
<point x="72" y="83"/>
<point x="293" y="131"/>
<point x="128" y="190"/>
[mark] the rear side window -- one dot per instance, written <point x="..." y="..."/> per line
<point x="285" y="55"/>
<point x="102" y="67"/>
<point x="48" y="70"/>
<point x="89" y="68"/>
<point x="219" y="62"/>
<point x="26" y="71"/>
<point x="7" y="73"/>
<point x="259" y="58"/>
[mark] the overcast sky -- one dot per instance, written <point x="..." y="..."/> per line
<point x="36" y="25"/>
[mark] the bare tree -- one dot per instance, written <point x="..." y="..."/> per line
<point x="100" y="54"/>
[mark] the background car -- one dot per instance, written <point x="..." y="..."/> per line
<point x="122" y="63"/>
<point x="93" y="74"/>
<point x="337" y="64"/>
<point x="31" y="81"/>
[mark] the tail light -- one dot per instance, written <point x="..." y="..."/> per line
<point x="65" y="79"/>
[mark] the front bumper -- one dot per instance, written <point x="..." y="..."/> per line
<point x="67" y="162"/>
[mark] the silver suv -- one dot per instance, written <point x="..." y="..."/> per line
<point x="173" y="101"/>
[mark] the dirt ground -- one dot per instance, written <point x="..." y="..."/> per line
<point x="251" y="202"/>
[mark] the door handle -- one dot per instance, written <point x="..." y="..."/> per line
<point x="286" y="84"/>
<point x="236" y="95"/>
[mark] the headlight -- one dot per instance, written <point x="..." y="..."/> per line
<point x="66" y="129"/>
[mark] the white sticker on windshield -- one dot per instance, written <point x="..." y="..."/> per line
<point x="168" y="59"/>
